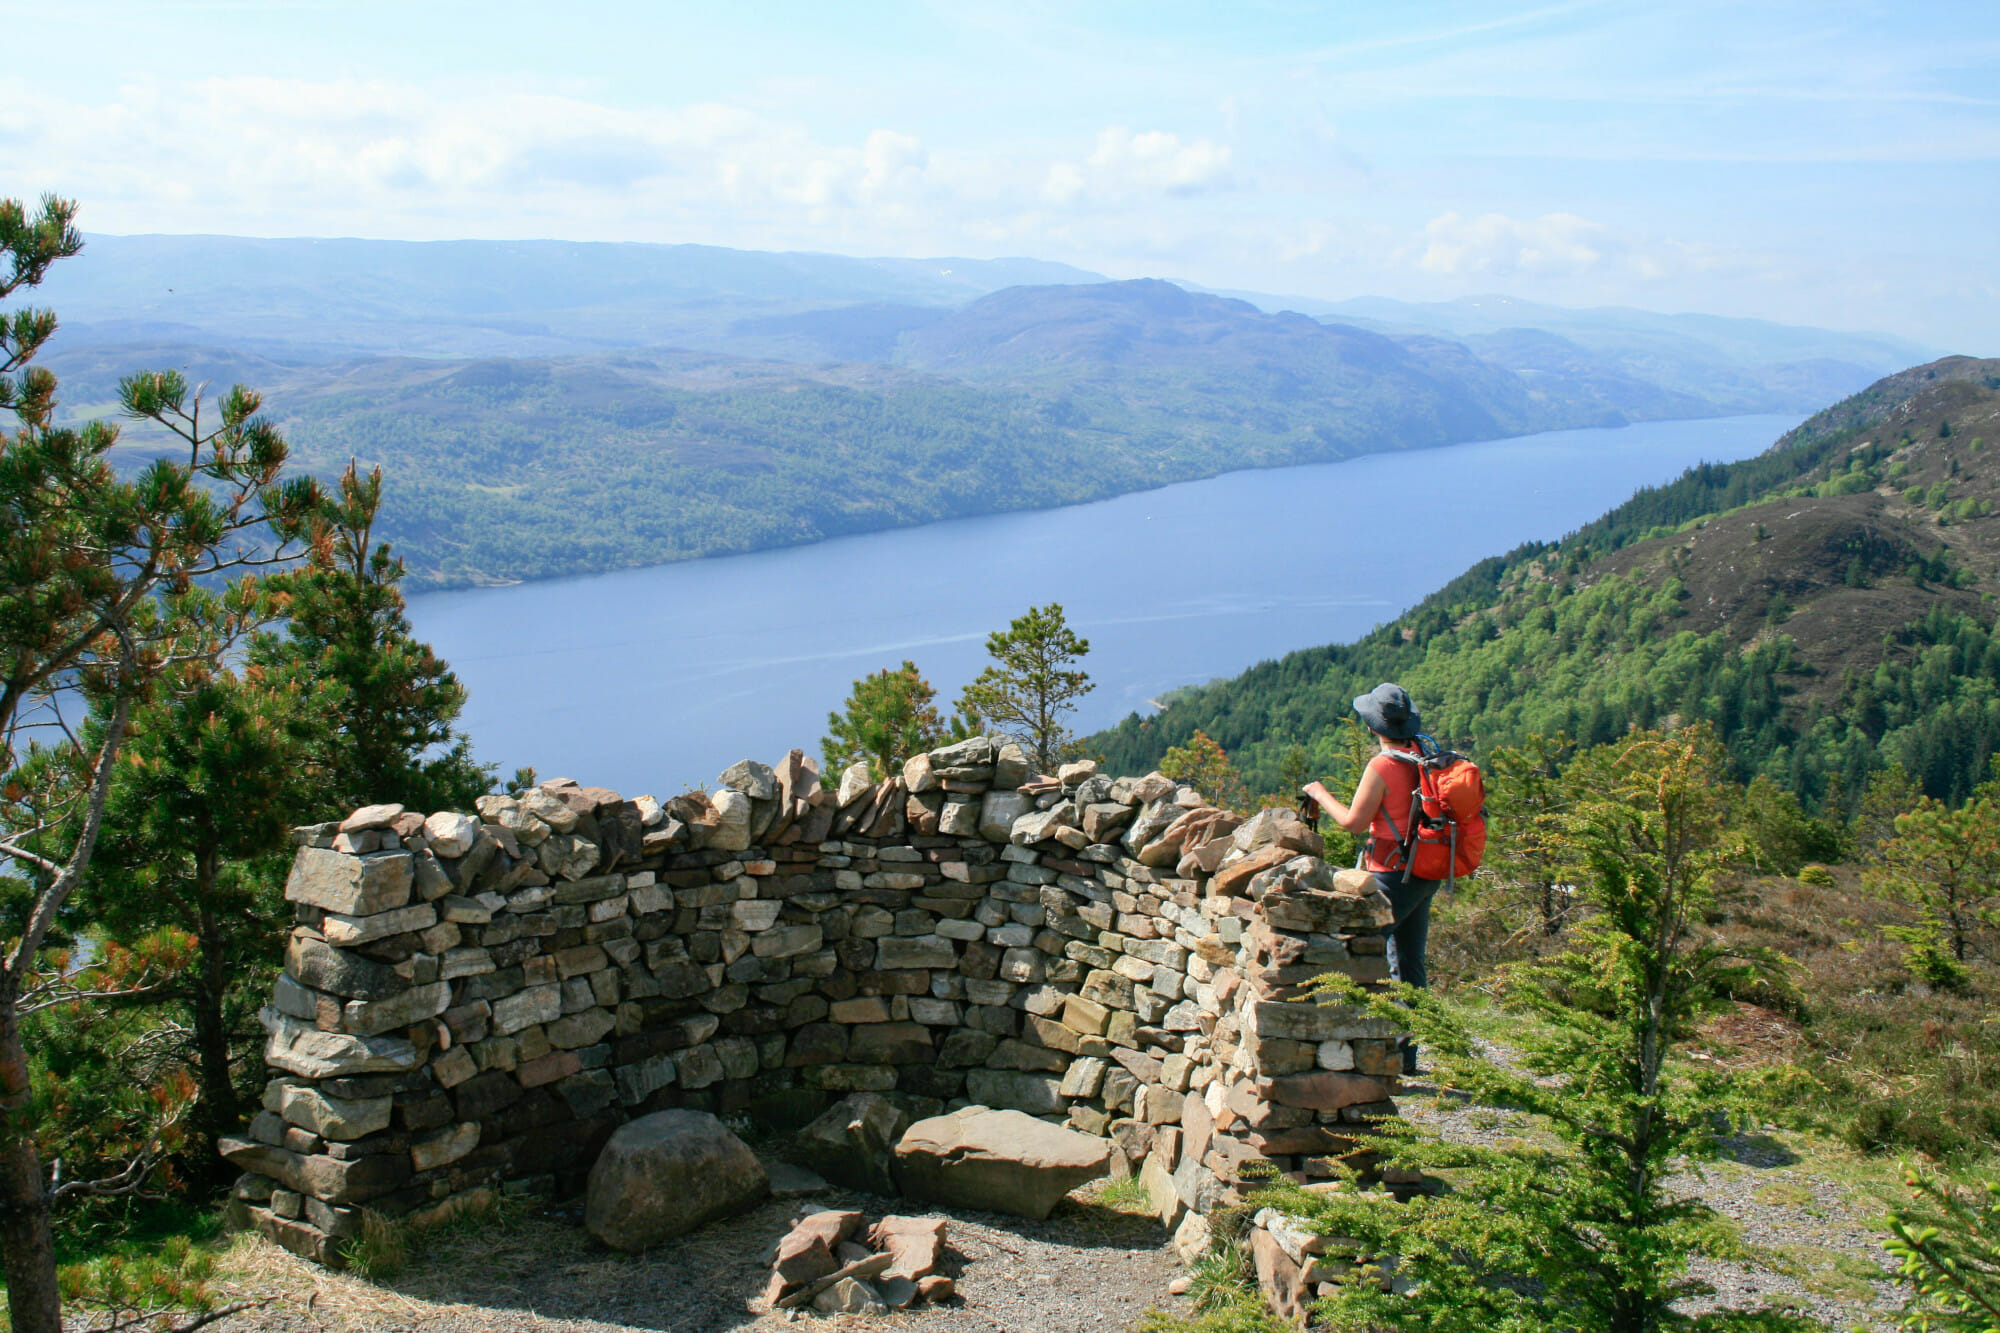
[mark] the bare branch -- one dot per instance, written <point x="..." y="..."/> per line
<point x="20" y="963"/>
<point x="18" y="853"/>
<point x="51" y="994"/>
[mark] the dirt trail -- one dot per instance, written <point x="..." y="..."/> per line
<point x="1089" y="1268"/>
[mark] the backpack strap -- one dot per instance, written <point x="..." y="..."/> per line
<point x="1406" y="842"/>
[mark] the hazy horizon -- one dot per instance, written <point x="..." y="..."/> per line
<point x="1812" y="165"/>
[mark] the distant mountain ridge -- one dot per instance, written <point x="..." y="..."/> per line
<point x="550" y="408"/>
<point x="311" y="299"/>
<point x="303" y="300"/>
<point x="510" y="468"/>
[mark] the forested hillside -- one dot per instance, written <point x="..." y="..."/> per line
<point x="504" y="470"/>
<point x="1829" y="605"/>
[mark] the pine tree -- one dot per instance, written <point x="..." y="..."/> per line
<point x="1032" y="685"/>
<point x="105" y="584"/>
<point x="398" y="701"/>
<point x="1585" y="1234"/>
<point x="1945" y="863"/>
<point x="1528" y="798"/>
<point x="1946" y="1240"/>
<point x="212" y="776"/>
<point x="889" y="717"/>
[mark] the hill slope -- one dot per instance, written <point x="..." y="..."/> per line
<point x="505" y="469"/>
<point x="1829" y="605"/>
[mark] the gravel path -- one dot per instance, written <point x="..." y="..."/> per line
<point x="1819" y="1233"/>
<point x="1088" y="1269"/>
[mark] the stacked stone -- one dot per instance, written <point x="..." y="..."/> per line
<point x="471" y="1003"/>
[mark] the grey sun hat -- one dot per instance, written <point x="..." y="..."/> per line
<point x="1388" y="711"/>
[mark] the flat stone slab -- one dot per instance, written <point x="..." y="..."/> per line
<point x="1001" y="1161"/>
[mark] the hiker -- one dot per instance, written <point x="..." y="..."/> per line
<point x="1383" y="806"/>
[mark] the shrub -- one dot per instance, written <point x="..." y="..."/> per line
<point x="1948" y="1241"/>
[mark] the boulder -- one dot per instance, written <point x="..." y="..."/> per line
<point x="854" y="1143"/>
<point x="667" y="1174"/>
<point x="1001" y="1161"/>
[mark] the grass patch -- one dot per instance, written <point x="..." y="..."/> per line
<point x="1127" y="1195"/>
<point x="1223" y="1291"/>
<point x="1837" y="1274"/>
<point x="1783" y="1194"/>
<point x="143" y="1287"/>
<point x="386" y="1246"/>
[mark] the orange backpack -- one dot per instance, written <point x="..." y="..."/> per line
<point x="1447" y="833"/>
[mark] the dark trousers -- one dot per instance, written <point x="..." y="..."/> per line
<point x="1410" y="899"/>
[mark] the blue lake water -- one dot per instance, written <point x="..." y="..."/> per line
<point x="653" y="679"/>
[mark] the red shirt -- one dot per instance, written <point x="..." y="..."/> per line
<point x="1399" y="799"/>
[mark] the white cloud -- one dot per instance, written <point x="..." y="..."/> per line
<point x="375" y="158"/>
<point x="1493" y="244"/>
<point x="1151" y="162"/>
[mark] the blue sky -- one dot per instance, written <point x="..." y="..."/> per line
<point x="1821" y="163"/>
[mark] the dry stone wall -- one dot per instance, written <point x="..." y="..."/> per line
<point x="475" y="1002"/>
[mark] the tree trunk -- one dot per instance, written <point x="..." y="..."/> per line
<point x="34" y="1304"/>
<point x="211" y="1029"/>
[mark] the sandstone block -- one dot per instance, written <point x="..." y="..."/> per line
<point x="371" y="817"/>
<point x="299" y="1049"/>
<point x="341" y="1118"/>
<point x="893" y="951"/>
<point x="732" y="827"/>
<point x="347" y="931"/>
<point x="315" y="963"/>
<point x="366" y="1018"/>
<point x="891" y="1044"/>
<point x="752" y="779"/>
<point x="350" y="885"/>
<point x="915" y="1245"/>
<point x="1002" y="1161"/>
<point x="444" y="1147"/>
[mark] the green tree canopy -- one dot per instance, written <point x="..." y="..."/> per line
<point x="212" y="777"/>
<point x="396" y="700"/>
<point x="890" y="716"/>
<point x="1033" y="685"/>
<point x="106" y="585"/>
